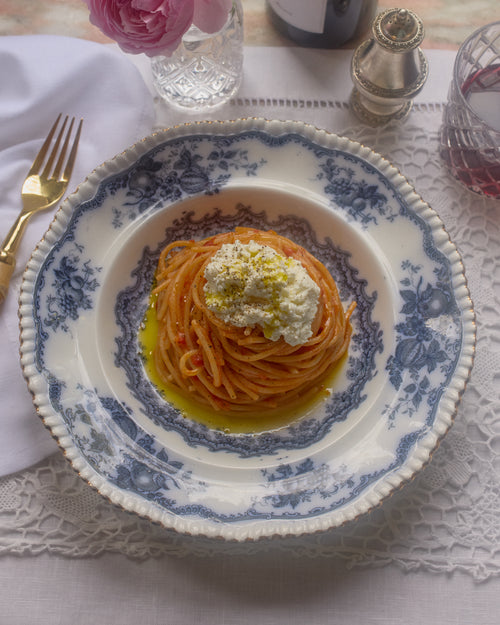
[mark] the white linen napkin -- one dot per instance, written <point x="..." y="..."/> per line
<point x="41" y="76"/>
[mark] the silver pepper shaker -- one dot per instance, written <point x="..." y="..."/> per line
<point x="389" y="69"/>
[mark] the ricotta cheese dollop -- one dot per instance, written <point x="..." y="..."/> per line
<point x="250" y="284"/>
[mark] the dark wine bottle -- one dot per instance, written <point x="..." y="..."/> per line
<point x="322" y="23"/>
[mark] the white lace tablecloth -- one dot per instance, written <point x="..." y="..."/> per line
<point x="448" y="518"/>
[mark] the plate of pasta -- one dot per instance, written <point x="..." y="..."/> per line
<point x="246" y="329"/>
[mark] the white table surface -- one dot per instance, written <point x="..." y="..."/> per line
<point x="112" y="590"/>
<point x="41" y="586"/>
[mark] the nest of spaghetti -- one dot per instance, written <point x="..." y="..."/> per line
<point x="238" y="369"/>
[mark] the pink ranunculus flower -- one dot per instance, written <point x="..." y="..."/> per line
<point x="150" y="26"/>
<point x="211" y="15"/>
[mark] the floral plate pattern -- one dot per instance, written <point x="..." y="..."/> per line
<point x="86" y="290"/>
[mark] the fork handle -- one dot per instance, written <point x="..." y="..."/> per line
<point x="7" y="266"/>
<point x="8" y="253"/>
<point x="13" y="238"/>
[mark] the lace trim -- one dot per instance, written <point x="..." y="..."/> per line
<point x="296" y="103"/>
<point x="447" y="519"/>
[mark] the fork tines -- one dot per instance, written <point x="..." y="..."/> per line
<point x="42" y="154"/>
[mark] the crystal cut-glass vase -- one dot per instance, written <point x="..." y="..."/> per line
<point x="206" y="69"/>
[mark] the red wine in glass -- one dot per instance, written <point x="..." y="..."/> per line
<point x="471" y="143"/>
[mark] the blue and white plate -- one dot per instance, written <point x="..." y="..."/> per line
<point x="86" y="289"/>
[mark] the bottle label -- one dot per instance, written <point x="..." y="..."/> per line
<point x="308" y="16"/>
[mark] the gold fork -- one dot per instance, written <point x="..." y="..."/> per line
<point x="39" y="192"/>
